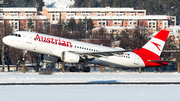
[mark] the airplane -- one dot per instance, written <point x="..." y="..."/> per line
<point x="72" y="51"/>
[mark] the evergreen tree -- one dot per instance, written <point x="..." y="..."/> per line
<point x="90" y="24"/>
<point x="81" y="26"/>
<point x="117" y="3"/>
<point x="102" y="3"/>
<point x="8" y="3"/>
<point x="30" y="25"/>
<point x="30" y="3"/>
<point x="71" y="24"/>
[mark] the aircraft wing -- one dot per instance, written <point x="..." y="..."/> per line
<point x="94" y="55"/>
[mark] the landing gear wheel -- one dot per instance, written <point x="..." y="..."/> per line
<point x="72" y="69"/>
<point x="87" y="69"/>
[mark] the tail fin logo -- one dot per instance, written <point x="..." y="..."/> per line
<point x="157" y="45"/>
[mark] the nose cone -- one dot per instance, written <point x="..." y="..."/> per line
<point x="5" y="40"/>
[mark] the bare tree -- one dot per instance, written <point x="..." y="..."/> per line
<point x="5" y="29"/>
<point x="101" y="37"/>
<point x="134" y="38"/>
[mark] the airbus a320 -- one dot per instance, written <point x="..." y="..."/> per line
<point x="71" y="51"/>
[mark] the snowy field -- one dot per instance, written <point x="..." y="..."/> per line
<point x="91" y="93"/>
<point x="17" y="77"/>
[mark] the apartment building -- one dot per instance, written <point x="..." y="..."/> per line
<point x="122" y="17"/>
<point x="19" y="17"/>
<point x="19" y="11"/>
<point x="110" y="17"/>
<point x="54" y="14"/>
<point x="20" y="22"/>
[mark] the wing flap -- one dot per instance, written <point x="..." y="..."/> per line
<point x="105" y="54"/>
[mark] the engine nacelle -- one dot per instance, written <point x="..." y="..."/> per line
<point x="49" y="58"/>
<point x="70" y="57"/>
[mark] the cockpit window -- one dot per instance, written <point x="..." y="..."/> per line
<point x="17" y="35"/>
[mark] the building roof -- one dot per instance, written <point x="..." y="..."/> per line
<point x="86" y="9"/>
<point x="20" y="9"/>
<point x="116" y="27"/>
<point x="119" y="17"/>
<point x="23" y="17"/>
<point x="173" y="27"/>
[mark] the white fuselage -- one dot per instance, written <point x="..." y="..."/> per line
<point x="36" y="42"/>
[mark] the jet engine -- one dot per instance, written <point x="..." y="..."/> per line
<point x="69" y="57"/>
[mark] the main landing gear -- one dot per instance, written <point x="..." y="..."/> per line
<point x="84" y="69"/>
<point x="87" y="69"/>
<point x="72" y="69"/>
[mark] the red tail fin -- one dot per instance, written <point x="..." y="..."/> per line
<point x="154" y="47"/>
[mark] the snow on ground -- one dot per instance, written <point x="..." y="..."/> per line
<point x="16" y="77"/>
<point x="58" y="3"/>
<point x="90" y="93"/>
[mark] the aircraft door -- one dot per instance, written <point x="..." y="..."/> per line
<point x="136" y="62"/>
<point x="29" y="38"/>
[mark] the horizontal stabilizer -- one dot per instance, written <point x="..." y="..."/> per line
<point x="160" y="61"/>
